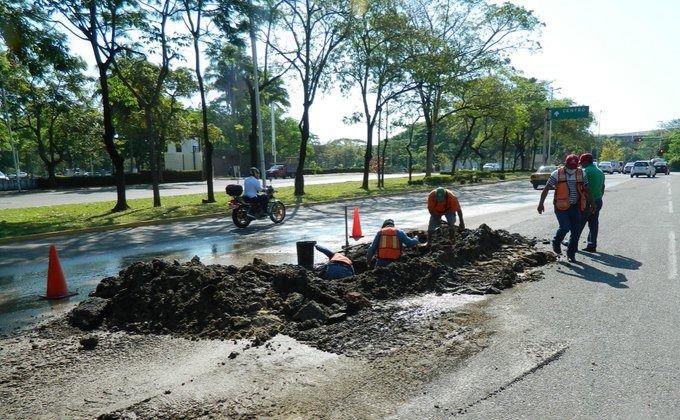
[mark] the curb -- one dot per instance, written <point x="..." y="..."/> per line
<point x="72" y="232"/>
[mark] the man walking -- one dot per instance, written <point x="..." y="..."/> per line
<point x="595" y="179"/>
<point x="571" y="196"/>
<point x="443" y="202"/>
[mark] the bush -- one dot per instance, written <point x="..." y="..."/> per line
<point x="438" y="179"/>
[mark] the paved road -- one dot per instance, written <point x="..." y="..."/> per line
<point x="88" y="258"/>
<point x="596" y="339"/>
<point x="10" y="200"/>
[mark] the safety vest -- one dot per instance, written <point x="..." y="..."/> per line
<point x="561" y="200"/>
<point x="389" y="246"/>
<point x="339" y="258"/>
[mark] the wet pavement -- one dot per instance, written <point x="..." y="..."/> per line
<point x="87" y="258"/>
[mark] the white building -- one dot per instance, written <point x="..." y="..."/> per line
<point x="184" y="157"/>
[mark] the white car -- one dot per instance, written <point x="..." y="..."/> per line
<point x="606" y="167"/>
<point x="642" y="167"/>
<point x="491" y="167"/>
<point x="3" y="177"/>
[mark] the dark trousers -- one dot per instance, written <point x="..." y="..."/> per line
<point x="570" y="221"/>
<point x="258" y="203"/>
<point x="593" y="222"/>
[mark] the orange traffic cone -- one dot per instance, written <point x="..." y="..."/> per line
<point x="356" y="225"/>
<point x="56" y="282"/>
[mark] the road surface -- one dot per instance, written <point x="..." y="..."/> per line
<point x="88" y="258"/>
<point x="34" y="198"/>
<point x="594" y="339"/>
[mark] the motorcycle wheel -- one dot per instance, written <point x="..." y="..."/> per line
<point x="277" y="212"/>
<point x="240" y="217"/>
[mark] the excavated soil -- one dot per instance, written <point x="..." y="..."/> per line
<point x="260" y="300"/>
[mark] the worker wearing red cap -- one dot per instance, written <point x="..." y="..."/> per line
<point x="571" y="196"/>
<point x="595" y="179"/>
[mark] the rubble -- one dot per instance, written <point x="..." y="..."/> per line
<point x="259" y="300"/>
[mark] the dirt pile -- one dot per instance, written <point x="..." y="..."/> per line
<point x="260" y="300"/>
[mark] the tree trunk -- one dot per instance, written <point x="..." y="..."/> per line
<point x="368" y="155"/>
<point x="304" y="134"/>
<point x="463" y="145"/>
<point x="207" y="144"/>
<point x="108" y="138"/>
<point x="252" y="137"/>
<point x="504" y="145"/>
<point x="410" y="155"/>
<point x="150" y="136"/>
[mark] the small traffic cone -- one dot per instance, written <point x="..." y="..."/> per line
<point x="56" y="282"/>
<point x="356" y="225"/>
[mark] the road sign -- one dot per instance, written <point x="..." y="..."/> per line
<point x="569" y="113"/>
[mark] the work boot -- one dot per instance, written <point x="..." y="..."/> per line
<point x="571" y="257"/>
<point x="590" y="248"/>
<point x="556" y="248"/>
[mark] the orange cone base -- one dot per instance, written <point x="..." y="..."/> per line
<point x="67" y="295"/>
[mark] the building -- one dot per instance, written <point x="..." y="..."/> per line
<point x="186" y="156"/>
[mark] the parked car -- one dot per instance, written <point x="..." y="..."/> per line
<point x="606" y="167"/>
<point x="617" y="166"/>
<point x="541" y="176"/>
<point x="3" y="177"/>
<point x="642" y="167"/>
<point x="491" y="167"/>
<point x="22" y="174"/>
<point x="627" y="167"/>
<point x="660" y="166"/>
<point x="277" y="171"/>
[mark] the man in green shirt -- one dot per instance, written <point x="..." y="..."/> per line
<point x="596" y="185"/>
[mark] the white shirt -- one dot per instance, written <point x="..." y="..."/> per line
<point x="251" y="186"/>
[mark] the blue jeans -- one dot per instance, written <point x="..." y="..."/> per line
<point x="593" y="222"/>
<point x="570" y="221"/>
<point x="334" y="270"/>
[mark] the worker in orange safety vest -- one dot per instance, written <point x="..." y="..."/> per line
<point x="443" y="202"/>
<point x="338" y="266"/>
<point x="571" y="195"/>
<point x="388" y="244"/>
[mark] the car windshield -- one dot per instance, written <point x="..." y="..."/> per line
<point x="640" y="163"/>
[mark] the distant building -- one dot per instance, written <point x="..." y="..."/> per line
<point x="186" y="156"/>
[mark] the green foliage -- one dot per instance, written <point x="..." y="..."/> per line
<point x="611" y="150"/>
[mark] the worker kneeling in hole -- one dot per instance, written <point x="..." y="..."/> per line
<point x="338" y="266"/>
<point x="443" y="202"/>
<point x="388" y="243"/>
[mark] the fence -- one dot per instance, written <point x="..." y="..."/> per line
<point x="26" y="184"/>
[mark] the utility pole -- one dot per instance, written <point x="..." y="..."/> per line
<point x="273" y="118"/>
<point x="545" y="136"/>
<point x="15" y="152"/>
<point x="256" y="85"/>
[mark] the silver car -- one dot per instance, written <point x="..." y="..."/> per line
<point x="643" y="167"/>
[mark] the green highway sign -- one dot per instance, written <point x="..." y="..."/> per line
<point x="569" y="113"/>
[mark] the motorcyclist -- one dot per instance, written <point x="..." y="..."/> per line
<point x="252" y="186"/>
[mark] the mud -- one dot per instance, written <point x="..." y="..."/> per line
<point x="259" y="300"/>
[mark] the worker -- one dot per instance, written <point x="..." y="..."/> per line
<point x="388" y="244"/>
<point x="571" y="196"/>
<point x="595" y="179"/>
<point x="443" y="202"/>
<point x="252" y="186"/>
<point x="338" y="266"/>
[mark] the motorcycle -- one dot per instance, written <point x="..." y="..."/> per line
<point x="241" y="213"/>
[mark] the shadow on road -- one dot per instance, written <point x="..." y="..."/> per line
<point x="592" y="274"/>
<point x="616" y="261"/>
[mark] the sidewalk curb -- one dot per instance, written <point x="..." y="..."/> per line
<point x="94" y="229"/>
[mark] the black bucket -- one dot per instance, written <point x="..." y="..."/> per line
<point x="305" y="254"/>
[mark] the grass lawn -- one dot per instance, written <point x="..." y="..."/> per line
<point x="62" y="218"/>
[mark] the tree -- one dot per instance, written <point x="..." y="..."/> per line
<point x="195" y="18"/>
<point x="372" y="58"/>
<point x="315" y="28"/>
<point x="146" y="81"/>
<point x="611" y="150"/>
<point x="464" y="40"/>
<point x="104" y="24"/>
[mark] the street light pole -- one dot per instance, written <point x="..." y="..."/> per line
<point x="273" y="118"/>
<point x="256" y="86"/>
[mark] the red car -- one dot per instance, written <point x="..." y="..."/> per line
<point x="277" y="171"/>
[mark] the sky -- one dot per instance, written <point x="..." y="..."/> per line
<point x="620" y="57"/>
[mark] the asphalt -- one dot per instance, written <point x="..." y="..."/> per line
<point x="34" y="198"/>
<point x="595" y="339"/>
